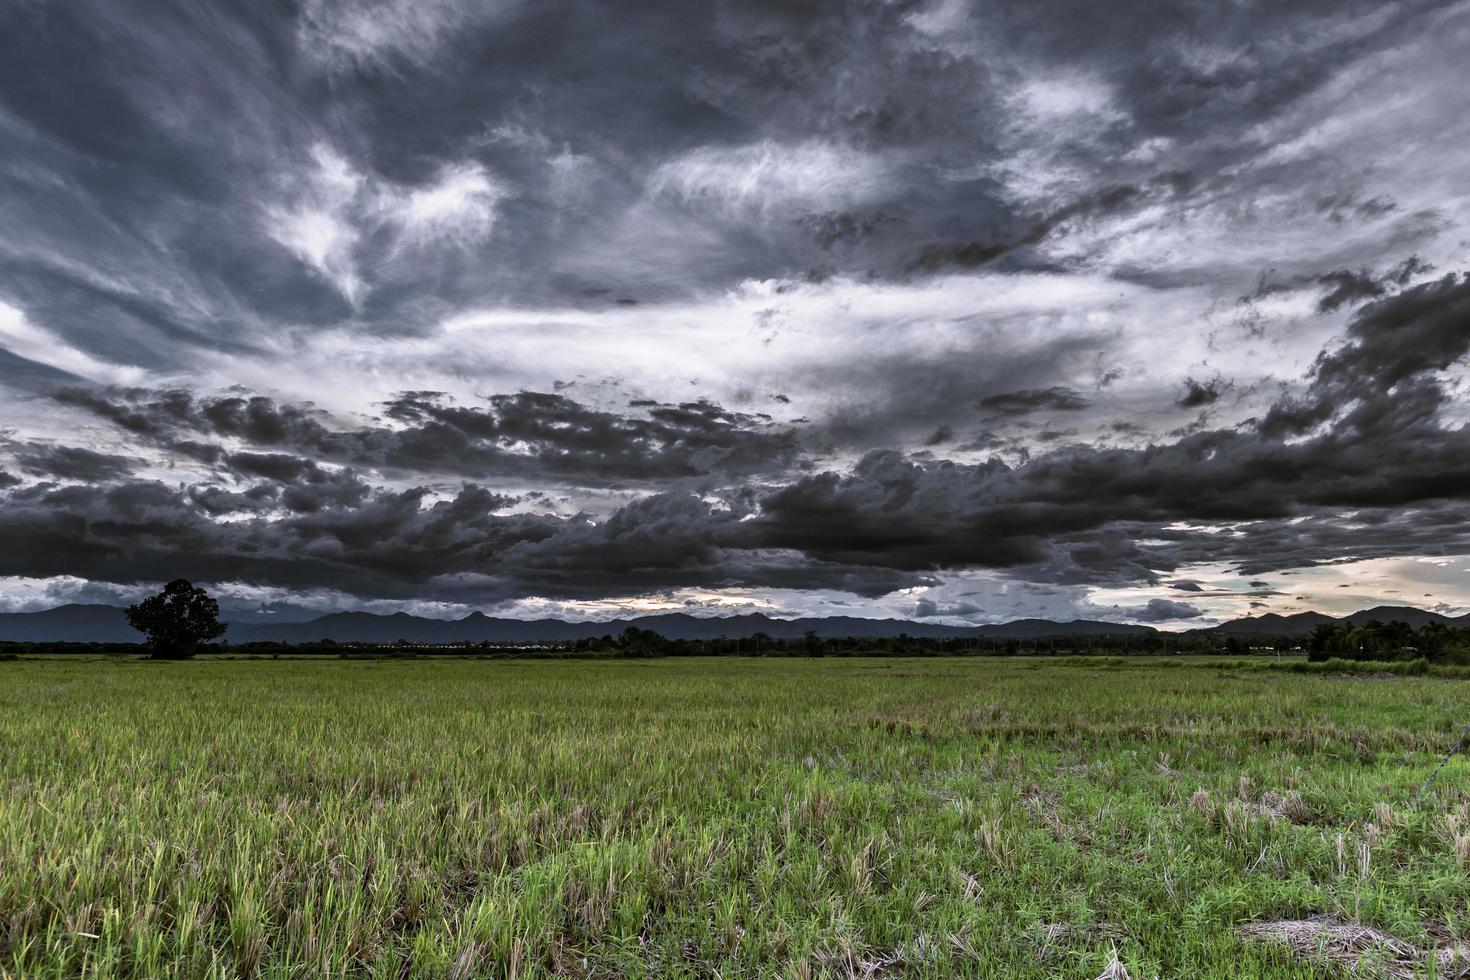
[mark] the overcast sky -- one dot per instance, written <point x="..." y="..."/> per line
<point x="1137" y="311"/>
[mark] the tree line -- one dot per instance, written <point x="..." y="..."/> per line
<point x="1394" y="640"/>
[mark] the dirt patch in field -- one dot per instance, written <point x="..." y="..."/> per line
<point x="1288" y="806"/>
<point x="1270" y="806"/>
<point x="1362" y="950"/>
<point x="1049" y="940"/>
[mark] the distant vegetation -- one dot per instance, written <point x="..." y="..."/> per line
<point x="635" y="643"/>
<point x="1393" y="640"/>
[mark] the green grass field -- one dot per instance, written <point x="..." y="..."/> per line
<point x="686" y="818"/>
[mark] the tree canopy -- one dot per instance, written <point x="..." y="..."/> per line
<point x="177" y="620"/>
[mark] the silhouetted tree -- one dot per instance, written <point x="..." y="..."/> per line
<point x="177" y="620"/>
<point x="635" y="642"/>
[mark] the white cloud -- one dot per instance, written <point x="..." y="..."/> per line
<point x="1058" y="96"/>
<point x="943" y="20"/>
<point x="346" y="34"/>
<point x="458" y="207"/>
<point x="333" y="208"/>
<point x="318" y="226"/>
<point x="742" y="347"/>
<point x="323" y="240"/>
<point x="24" y="339"/>
<point x="756" y="178"/>
<point x="1056" y="123"/>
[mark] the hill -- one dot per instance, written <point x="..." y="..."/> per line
<point x="1302" y="624"/>
<point x="99" y="623"/>
<point x="73" y="623"/>
<point x="82" y="623"/>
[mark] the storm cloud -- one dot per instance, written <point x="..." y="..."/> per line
<point x="499" y="304"/>
<point x="524" y="435"/>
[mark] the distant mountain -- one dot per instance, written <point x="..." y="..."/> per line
<point x="1027" y="629"/>
<point x="1274" y="624"/>
<point x="106" y="624"/>
<point x="74" y="623"/>
<point x="1301" y="624"/>
<point x="479" y="628"/>
<point x="1405" y="614"/>
<point x="96" y="623"/>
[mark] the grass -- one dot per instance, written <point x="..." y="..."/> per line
<point x="691" y="818"/>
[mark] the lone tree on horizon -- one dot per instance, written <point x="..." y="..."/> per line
<point x="177" y="620"/>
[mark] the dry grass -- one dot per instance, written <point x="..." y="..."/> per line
<point x="1358" y="949"/>
<point x="1115" y="970"/>
<point x="1051" y="942"/>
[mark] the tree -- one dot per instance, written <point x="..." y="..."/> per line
<point x="177" y="620"/>
<point x="635" y="642"/>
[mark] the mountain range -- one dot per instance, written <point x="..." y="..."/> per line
<point x="106" y="624"/>
<point x="1303" y="623"/>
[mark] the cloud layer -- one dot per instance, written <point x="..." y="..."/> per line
<point x="490" y="305"/>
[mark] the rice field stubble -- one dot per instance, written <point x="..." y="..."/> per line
<point x="701" y="817"/>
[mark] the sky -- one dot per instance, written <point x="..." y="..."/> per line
<point x="956" y="311"/>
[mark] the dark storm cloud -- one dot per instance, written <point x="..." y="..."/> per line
<point x="299" y="485"/>
<point x="1385" y="448"/>
<point x="1055" y="399"/>
<point x="940" y="436"/>
<point x="928" y="608"/>
<point x="981" y="394"/>
<point x="1433" y="529"/>
<point x="974" y="253"/>
<point x="1384" y="372"/>
<point x="1346" y="287"/>
<point x="528" y="434"/>
<point x="1373" y="468"/>
<point x="1198" y="394"/>
<point x="71" y="462"/>
<point x="1164" y="611"/>
<point x="401" y="545"/>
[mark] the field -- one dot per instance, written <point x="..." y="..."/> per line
<point x="730" y="817"/>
